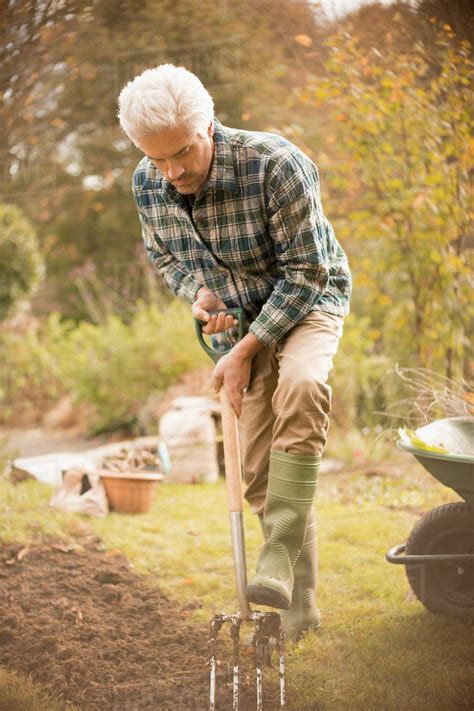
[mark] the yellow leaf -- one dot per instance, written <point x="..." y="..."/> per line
<point x="304" y="40"/>
<point x="410" y="437"/>
<point x="419" y="200"/>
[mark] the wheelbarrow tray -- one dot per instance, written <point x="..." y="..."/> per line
<point x="456" y="467"/>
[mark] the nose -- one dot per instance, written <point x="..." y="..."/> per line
<point x="174" y="171"/>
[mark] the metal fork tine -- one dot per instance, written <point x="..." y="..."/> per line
<point x="267" y="626"/>
<point x="258" y="663"/>
<point x="281" y="666"/>
<point x="216" y="624"/>
<point x="235" y="634"/>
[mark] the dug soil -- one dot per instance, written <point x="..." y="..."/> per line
<point x="90" y="632"/>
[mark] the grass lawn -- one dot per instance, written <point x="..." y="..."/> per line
<point x="378" y="649"/>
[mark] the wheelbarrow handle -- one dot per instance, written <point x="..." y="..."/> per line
<point x="238" y="313"/>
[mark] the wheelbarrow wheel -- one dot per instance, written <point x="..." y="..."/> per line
<point x="446" y="588"/>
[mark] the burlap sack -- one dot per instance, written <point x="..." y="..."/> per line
<point x="189" y="432"/>
<point x="81" y="491"/>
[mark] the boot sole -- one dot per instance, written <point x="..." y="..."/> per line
<point x="262" y="595"/>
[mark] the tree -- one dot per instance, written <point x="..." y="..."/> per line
<point x="69" y="165"/>
<point x="401" y="190"/>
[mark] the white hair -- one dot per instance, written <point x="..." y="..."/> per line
<point x="164" y="97"/>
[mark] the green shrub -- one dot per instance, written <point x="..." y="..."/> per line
<point x="31" y="378"/>
<point x="358" y="377"/>
<point x="112" y="367"/>
<point x="115" y="366"/>
<point x="22" y="263"/>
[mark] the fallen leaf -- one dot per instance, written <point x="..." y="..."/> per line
<point x="188" y="581"/>
<point x="21" y="554"/>
<point x="60" y="602"/>
<point x="79" y="616"/>
<point x="113" y="551"/>
<point x="62" y="547"/>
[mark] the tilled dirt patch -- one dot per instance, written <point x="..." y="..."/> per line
<point x="93" y="633"/>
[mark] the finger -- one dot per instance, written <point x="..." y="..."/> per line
<point x="199" y="313"/>
<point x="210" y="328"/>
<point x="220" y="321"/>
<point x="236" y="401"/>
<point x="230" y="322"/>
<point x="217" y="381"/>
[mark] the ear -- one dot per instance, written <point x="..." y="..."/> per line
<point x="210" y="129"/>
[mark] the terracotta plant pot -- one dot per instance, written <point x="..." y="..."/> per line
<point x="130" y="492"/>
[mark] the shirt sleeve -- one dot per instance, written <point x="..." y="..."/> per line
<point x="173" y="274"/>
<point x="299" y="231"/>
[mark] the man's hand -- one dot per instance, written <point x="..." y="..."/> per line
<point x="216" y="323"/>
<point x="233" y="371"/>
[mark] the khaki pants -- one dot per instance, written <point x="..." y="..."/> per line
<point x="288" y="401"/>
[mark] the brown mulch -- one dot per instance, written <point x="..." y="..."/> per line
<point x="91" y="632"/>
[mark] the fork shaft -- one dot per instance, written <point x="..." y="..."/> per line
<point x="240" y="566"/>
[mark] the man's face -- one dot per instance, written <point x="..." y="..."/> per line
<point x="182" y="158"/>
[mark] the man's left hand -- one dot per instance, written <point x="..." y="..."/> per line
<point x="233" y="372"/>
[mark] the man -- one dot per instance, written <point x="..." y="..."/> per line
<point x="234" y="218"/>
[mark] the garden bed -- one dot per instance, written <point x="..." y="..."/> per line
<point x="91" y="632"/>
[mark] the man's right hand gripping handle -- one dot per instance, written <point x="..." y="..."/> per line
<point x="202" y="309"/>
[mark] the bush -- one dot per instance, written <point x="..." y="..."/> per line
<point x="31" y="380"/>
<point x="22" y="263"/>
<point x="116" y="366"/>
<point x="112" y="367"/>
<point x="358" y="377"/>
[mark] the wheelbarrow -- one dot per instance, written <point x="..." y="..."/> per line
<point x="439" y="553"/>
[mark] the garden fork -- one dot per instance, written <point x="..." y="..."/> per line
<point x="267" y="625"/>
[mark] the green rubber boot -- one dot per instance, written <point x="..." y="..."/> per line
<point x="302" y="615"/>
<point x="291" y="489"/>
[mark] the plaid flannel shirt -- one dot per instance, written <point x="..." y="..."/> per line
<point x="256" y="235"/>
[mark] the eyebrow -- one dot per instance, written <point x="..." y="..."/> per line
<point x="173" y="156"/>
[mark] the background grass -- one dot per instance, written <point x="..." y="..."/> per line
<point x="378" y="647"/>
<point x="19" y="694"/>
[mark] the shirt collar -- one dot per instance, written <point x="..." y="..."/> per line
<point x="222" y="175"/>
